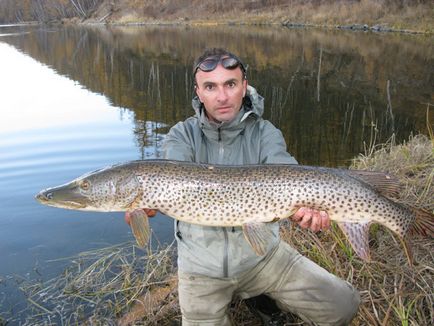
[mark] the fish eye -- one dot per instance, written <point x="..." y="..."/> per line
<point x="85" y="185"/>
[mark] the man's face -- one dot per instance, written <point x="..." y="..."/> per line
<point x="221" y="91"/>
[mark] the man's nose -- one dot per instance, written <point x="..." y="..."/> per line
<point x="222" y="96"/>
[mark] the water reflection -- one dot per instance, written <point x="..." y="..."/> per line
<point x="53" y="129"/>
<point x="329" y="92"/>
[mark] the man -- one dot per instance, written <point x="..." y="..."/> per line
<point x="216" y="263"/>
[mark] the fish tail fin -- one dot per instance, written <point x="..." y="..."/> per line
<point x="140" y="226"/>
<point x="423" y="223"/>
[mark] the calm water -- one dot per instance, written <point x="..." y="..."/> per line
<point x="76" y="99"/>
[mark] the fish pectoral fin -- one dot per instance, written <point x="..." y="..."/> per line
<point x="139" y="222"/>
<point x="358" y="236"/>
<point x="293" y="211"/>
<point x="257" y="235"/>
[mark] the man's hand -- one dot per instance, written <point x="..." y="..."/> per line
<point x="312" y="219"/>
<point x="149" y="212"/>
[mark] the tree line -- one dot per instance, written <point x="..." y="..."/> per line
<point x="12" y="11"/>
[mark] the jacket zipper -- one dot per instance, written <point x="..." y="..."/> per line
<point x="225" y="231"/>
<point x="221" y="147"/>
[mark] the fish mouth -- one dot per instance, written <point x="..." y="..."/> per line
<point x="65" y="196"/>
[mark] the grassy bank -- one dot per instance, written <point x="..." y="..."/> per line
<point x="397" y="15"/>
<point x="127" y="286"/>
<point x="387" y="14"/>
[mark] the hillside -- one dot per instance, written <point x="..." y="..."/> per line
<point x="410" y="15"/>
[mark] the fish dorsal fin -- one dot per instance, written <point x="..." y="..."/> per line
<point x="139" y="222"/>
<point x="358" y="236"/>
<point x="386" y="184"/>
<point x="257" y="235"/>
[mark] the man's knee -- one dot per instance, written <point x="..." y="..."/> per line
<point x="339" y="311"/>
<point x="204" y="314"/>
<point x="346" y="306"/>
<point x="204" y="300"/>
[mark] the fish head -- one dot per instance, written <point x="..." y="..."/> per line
<point x="108" y="189"/>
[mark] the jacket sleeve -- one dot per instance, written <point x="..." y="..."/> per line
<point x="177" y="144"/>
<point x="273" y="146"/>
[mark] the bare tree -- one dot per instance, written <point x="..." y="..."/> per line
<point x="61" y="8"/>
<point x="84" y="8"/>
<point x="37" y="11"/>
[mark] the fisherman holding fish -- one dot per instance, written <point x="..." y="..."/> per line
<point x="216" y="264"/>
<point x="218" y="182"/>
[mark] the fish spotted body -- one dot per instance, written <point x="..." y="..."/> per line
<point x="248" y="196"/>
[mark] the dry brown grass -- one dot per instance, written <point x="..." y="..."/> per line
<point x="397" y="14"/>
<point x="100" y="285"/>
<point x="411" y="162"/>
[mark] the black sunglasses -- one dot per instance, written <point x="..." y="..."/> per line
<point x="228" y="62"/>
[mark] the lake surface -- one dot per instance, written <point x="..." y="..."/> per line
<point x="75" y="99"/>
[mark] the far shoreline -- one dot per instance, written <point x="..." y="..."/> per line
<point x="377" y="28"/>
<point x="368" y="15"/>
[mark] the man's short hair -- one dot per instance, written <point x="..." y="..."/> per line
<point x="218" y="52"/>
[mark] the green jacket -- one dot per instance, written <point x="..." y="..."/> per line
<point x="248" y="139"/>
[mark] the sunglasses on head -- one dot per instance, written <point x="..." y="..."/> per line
<point x="227" y="61"/>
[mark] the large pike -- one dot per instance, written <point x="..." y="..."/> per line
<point x="248" y="196"/>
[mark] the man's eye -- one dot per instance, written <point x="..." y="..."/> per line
<point x="231" y="84"/>
<point x="209" y="87"/>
